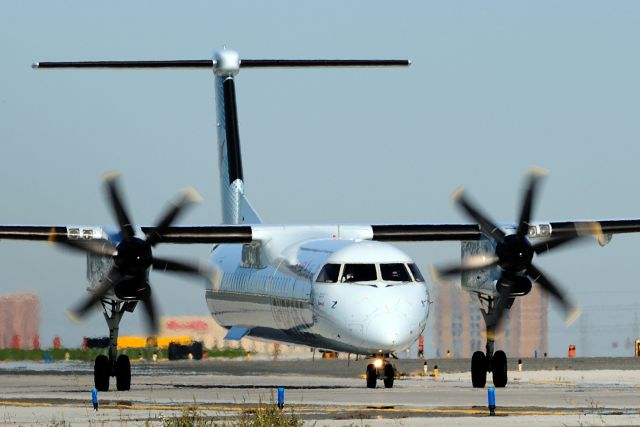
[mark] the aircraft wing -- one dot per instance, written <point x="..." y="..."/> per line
<point x="184" y="234"/>
<point x="212" y="234"/>
<point x="464" y="232"/>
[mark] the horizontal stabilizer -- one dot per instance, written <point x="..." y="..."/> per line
<point x="236" y="333"/>
<point x="245" y="63"/>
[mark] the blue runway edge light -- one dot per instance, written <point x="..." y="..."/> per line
<point x="94" y="398"/>
<point x="491" y="392"/>
<point x="280" y="397"/>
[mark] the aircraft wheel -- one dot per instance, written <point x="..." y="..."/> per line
<point x="372" y="376"/>
<point x="479" y="369"/>
<point x="123" y="373"/>
<point x="499" y="368"/>
<point x="389" y="375"/>
<point x="101" y="373"/>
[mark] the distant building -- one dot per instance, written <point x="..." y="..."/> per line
<point x="459" y="326"/>
<point x="19" y="321"/>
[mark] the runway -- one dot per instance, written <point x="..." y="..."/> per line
<point x="327" y="392"/>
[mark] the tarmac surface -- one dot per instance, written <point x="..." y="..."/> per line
<point x="591" y="391"/>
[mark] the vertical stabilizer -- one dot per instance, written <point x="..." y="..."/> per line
<point x="226" y="64"/>
<point x="236" y="209"/>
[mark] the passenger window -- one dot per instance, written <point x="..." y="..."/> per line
<point x="394" y="273"/>
<point x="416" y="273"/>
<point x="329" y="273"/>
<point x="359" y="273"/>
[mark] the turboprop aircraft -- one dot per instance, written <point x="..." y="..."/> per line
<point x="336" y="287"/>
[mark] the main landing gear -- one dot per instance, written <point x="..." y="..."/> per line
<point x="380" y="368"/>
<point x="494" y="362"/>
<point x="113" y="365"/>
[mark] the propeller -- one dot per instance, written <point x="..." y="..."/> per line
<point x="133" y="256"/>
<point x="514" y="254"/>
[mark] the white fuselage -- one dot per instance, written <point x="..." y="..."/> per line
<point x="274" y="292"/>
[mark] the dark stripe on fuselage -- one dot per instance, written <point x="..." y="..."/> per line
<point x="231" y="128"/>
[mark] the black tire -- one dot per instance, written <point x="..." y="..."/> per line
<point x="196" y="350"/>
<point x="372" y="376"/>
<point x="389" y="375"/>
<point x="478" y="369"/>
<point x="172" y="351"/>
<point x="101" y="373"/>
<point x="123" y="373"/>
<point x="499" y="368"/>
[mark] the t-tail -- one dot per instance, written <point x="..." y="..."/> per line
<point x="236" y="208"/>
<point x="226" y="64"/>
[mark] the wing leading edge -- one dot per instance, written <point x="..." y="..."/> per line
<point x="467" y="232"/>
<point x="381" y="232"/>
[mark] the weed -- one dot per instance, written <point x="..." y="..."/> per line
<point x="262" y="416"/>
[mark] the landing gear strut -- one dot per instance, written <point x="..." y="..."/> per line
<point x="380" y="368"/>
<point x="494" y="362"/>
<point x="113" y="365"/>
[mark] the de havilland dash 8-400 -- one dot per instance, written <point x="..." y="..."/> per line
<point x="335" y="287"/>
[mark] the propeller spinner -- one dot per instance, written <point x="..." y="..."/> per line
<point x="514" y="254"/>
<point x="133" y="256"/>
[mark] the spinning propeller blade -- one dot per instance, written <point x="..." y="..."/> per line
<point x="186" y="198"/>
<point x="126" y="227"/>
<point x="96" y="295"/>
<point x="487" y="225"/>
<point x="514" y="253"/>
<point x="133" y="256"/>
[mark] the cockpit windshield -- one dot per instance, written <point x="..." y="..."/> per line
<point x="359" y="273"/>
<point x="394" y="272"/>
<point x="416" y="273"/>
<point x="329" y="273"/>
<point x="352" y="273"/>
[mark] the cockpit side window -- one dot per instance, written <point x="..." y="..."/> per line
<point x="359" y="273"/>
<point x="329" y="273"/>
<point x="416" y="273"/>
<point x="395" y="272"/>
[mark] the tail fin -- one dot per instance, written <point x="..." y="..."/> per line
<point x="236" y="209"/>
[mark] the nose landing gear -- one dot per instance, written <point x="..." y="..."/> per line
<point x="380" y="368"/>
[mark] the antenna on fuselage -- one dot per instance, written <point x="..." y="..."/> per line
<point x="225" y="64"/>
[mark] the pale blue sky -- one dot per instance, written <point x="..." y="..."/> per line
<point x="495" y="88"/>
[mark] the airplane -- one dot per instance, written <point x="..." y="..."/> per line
<point x="339" y="287"/>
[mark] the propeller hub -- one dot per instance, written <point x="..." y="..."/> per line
<point x="515" y="253"/>
<point x="134" y="257"/>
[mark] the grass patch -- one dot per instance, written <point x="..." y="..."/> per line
<point x="262" y="416"/>
<point x="9" y="354"/>
<point x="55" y="355"/>
<point x="228" y="352"/>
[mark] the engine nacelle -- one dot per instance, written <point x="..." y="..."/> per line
<point x="515" y="286"/>
<point x="482" y="281"/>
<point x="131" y="289"/>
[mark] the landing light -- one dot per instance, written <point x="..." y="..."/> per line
<point x="378" y="363"/>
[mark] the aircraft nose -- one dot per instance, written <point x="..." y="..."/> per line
<point x="387" y="331"/>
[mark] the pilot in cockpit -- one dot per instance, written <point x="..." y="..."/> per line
<point x="347" y="277"/>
